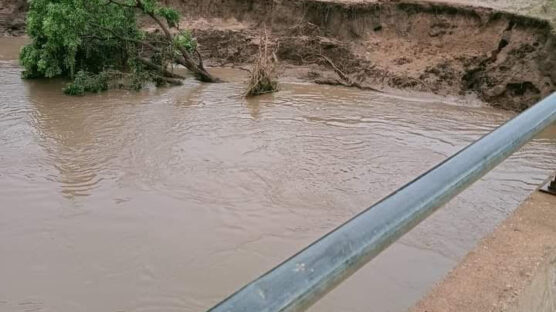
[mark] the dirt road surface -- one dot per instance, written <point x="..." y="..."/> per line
<point x="512" y="270"/>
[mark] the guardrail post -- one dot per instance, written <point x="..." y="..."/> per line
<point x="550" y="187"/>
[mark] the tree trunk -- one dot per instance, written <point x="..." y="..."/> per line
<point x="186" y="60"/>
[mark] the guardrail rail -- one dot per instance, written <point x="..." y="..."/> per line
<point x="307" y="276"/>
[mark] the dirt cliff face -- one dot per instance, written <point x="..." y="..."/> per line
<point x="506" y="59"/>
<point x="12" y="17"/>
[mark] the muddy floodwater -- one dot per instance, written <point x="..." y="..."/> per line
<point x="171" y="199"/>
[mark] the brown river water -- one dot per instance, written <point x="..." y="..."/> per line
<point x="171" y="199"/>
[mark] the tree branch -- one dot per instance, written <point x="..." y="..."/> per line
<point x="186" y="59"/>
<point x="200" y="58"/>
<point x="160" y="69"/>
<point x="115" y="34"/>
<point x="347" y="80"/>
<point x="171" y="81"/>
<point x="121" y="4"/>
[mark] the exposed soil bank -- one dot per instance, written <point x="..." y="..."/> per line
<point x="507" y="59"/>
<point x="512" y="270"/>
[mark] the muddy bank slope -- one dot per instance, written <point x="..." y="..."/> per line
<point x="508" y="60"/>
<point x="12" y="17"/>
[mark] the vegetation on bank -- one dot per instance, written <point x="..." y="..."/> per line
<point x="98" y="45"/>
<point x="263" y="78"/>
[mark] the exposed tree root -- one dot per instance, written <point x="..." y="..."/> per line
<point x="345" y="79"/>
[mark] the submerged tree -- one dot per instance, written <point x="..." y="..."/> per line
<point x="98" y="44"/>
<point x="263" y="78"/>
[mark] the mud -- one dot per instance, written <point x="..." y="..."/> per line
<point x="12" y="17"/>
<point x="506" y="59"/>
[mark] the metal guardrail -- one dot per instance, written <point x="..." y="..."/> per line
<point x="307" y="276"/>
<point x="549" y="187"/>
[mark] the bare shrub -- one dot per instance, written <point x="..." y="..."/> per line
<point x="263" y="78"/>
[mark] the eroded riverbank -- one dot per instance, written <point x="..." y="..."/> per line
<point x="508" y="60"/>
<point x="170" y="199"/>
<point x="503" y="58"/>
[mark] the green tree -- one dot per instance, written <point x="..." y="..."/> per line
<point x="98" y="44"/>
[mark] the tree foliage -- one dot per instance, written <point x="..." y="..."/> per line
<point x="93" y="42"/>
